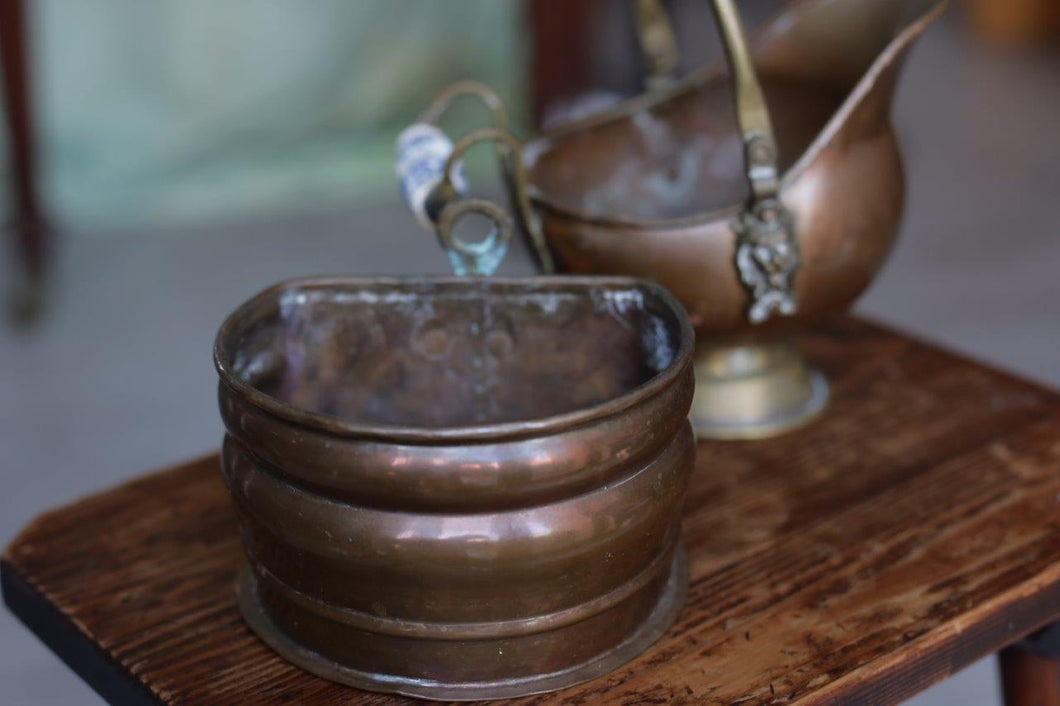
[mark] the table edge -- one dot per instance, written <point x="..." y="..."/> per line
<point x="950" y="647"/>
<point x="95" y="666"/>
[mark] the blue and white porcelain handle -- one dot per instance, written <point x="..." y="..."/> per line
<point x="421" y="153"/>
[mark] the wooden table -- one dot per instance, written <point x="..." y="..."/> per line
<point x="911" y="530"/>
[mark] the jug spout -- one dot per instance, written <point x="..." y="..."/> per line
<point x="854" y="48"/>
<point x="847" y="187"/>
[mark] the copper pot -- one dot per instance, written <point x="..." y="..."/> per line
<point x="659" y="187"/>
<point x="459" y="488"/>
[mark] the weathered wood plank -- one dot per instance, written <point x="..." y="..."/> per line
<point x="914" y="528"/>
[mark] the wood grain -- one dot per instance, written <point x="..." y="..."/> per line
<point x="911" y="530"/>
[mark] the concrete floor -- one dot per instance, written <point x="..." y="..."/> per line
<point x="118" y="378"/>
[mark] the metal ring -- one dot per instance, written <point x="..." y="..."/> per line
<point x="482" y="257"/>
<point x="451" y="94"/>
<point x="507" y="143"/>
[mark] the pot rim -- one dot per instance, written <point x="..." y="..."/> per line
<point x="317" y="421"/>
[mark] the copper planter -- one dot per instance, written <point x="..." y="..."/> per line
<point x="459" y="488"/>
<point x="653" y="188"/>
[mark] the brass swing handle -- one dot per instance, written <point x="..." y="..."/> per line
<point x="767" y="250"/>
<point x="431" y="175"/>
<point x="766" y="253"/>
<point x="662" y="56"/>
<point x="752" y="113"/>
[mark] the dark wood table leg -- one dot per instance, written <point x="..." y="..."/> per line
<point x="1030" y="670"/>
<point x="32" y="235"/>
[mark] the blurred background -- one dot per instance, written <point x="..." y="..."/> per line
<point x="166" y="160"/>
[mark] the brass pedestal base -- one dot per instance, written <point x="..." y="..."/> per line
<point x="753" y="391"/>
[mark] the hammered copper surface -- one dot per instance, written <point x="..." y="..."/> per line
<point x="650" y="188"/>
<point x="459" y="488"/>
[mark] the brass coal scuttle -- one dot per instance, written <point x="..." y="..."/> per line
<point x="766" y="198"/>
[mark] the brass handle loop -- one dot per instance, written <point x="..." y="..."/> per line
<point x="430" y="170"/>
<point x="466" y="89"/>
<point x="483" y="257"/>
